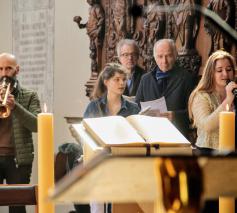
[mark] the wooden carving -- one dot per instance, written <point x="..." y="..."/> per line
<point x="111" y="20"/>
<point x="154" y="29"/>
<point x="226" y="10"/>
<point x="95" y="31"/>
<point x="183" y="24"/>
<point x="117" y="27"/>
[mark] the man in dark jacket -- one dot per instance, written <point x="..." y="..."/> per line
<point x="128" y="54"/>
<point x="16" y="143"/>
<point x="169" y="81"/>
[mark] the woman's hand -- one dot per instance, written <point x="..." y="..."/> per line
<point x="229" y="94"/>
<point x="229" y="91"/>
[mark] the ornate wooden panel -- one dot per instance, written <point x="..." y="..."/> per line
<point x="147" y="21"/>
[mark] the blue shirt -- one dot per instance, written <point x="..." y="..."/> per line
<point x="98" y="108"/>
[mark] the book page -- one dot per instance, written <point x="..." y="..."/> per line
<point x="158" y="104"/>
<point x="158" y="130"/>
<point x="113" y="131"/>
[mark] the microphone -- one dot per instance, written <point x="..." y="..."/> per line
<point x="234" y="91"/>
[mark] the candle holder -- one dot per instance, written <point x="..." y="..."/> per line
<point x="182" y="185"/>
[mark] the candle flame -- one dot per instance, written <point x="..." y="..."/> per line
<point x="227" y="107"/>
<point x="45" y="107"/>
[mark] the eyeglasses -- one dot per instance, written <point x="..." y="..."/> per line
<point x="126" y="55"/>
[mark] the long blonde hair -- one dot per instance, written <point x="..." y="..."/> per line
<point x="206" y="84"/>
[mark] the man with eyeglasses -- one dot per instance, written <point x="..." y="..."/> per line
<point x="128" y="54"/>
<point x="16" y="143"/>
<point x="170" y="81"/>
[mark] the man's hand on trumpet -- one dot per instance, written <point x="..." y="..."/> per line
<point x="11" y="101"/>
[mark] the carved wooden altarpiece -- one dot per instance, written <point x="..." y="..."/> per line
<point x="195" y="37"/>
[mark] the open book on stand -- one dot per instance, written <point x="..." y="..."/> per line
<point x="134" y="131"/>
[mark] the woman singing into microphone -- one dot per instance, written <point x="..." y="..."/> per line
<point x="211" y="96"/>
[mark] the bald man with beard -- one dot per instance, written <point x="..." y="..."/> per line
<point x="16" y="143"/>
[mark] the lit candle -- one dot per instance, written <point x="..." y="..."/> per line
<point x="227" y="131"/>
<point x="226" y="204"/>
<point x="227" y="143"/>
<point x="45" y="161"/>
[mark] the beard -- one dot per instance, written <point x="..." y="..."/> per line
<point x="8" y="79"/>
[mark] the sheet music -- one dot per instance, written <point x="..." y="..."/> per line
<point x="158" y="104"/>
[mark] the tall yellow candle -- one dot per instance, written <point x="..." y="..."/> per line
<point x="227" y="131"/>
<point x="45" y="161"/>
<point x="227" y="143"/>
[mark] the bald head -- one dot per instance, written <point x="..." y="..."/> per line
<point x="165" y="54"/>
<point x="8" y="65"/>
<point x="8" y="56"/>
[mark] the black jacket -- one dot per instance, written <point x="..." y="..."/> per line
<point x="136" y="78"/>
<point x="180" y="84"/>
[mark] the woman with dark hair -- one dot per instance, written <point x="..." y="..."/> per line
<point x="107" y="100"/>
<point x="211" y="96"/>
<point x="107" y="97"/>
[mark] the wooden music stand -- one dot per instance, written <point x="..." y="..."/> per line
<point x="130" y="178"/>
<point x="126" y="179"/>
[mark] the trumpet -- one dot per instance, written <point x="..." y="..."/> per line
<point x="5" y="86"/>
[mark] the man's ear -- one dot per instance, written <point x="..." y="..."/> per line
<point x="17" y="69"/>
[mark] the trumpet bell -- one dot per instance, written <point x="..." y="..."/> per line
<point x="4" y="111"/>
<point x="4" y="92"/>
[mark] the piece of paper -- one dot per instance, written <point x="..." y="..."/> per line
<point x="158" y="104"/>
<point x="129" y="98"/>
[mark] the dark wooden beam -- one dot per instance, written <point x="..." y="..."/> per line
<point x="18" y="195"/>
